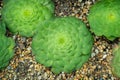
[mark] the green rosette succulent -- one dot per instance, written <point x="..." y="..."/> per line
<point x="115" y="64"/>
<point x="64" y="44"/>
<point x="23" y="16"/>
<point x="6" y="50"/>
<point x="104" y="18"/>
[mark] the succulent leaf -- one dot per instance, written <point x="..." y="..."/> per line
<point x="63" y="44"/>
<point x="6" y="50"/>
<point x="23" y="16"/>
<point x="116" y="61"/>
<point x="2" y="28"/>
<point x="104" y="18"/>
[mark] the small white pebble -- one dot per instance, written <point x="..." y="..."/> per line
<point x="39" y="78"/>
<point x="88" y="2"/>
<point x="79" y="0"/>
<point x="83" y="72"/>
<point x="96" y="51"/>
<point x="14" y="37"/>
<point x="93" y="54"/>
<point x="104" y="56"/>
<point x="29" y="48"/>
<point x="31" y="66"/>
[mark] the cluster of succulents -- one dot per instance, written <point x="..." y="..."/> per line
<point x="23" y="16"/>
<point x="116" y="61"/>
<point x="55" y="39"/>
<point x="6" y="47"/>
<point x="104" y="18"/>
<point x="64" y="44"/>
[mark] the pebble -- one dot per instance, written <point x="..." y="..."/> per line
<point x="104" y="56"/>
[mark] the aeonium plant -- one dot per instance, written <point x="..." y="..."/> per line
<point x="64" y="44"/>
<point x="104" y="18"/>
<point x="23" y="16"/>
<point x="115" y="64"/>
<point x="6" y="50"/>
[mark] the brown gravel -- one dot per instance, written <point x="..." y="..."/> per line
<point x="24" y="67"/>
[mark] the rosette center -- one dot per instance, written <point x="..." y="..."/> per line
<point x="111" y="17"/>
<point x="61" y="40"/>
<point x="27" y="13"/>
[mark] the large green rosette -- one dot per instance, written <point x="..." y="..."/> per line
<point x="64" y="44"/>
<point x="6" y="50"/>
<point x="104" y="18"/>
<point x="23" y="16"/>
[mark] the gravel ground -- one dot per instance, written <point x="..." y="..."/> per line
<point x="24" y="67"/>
